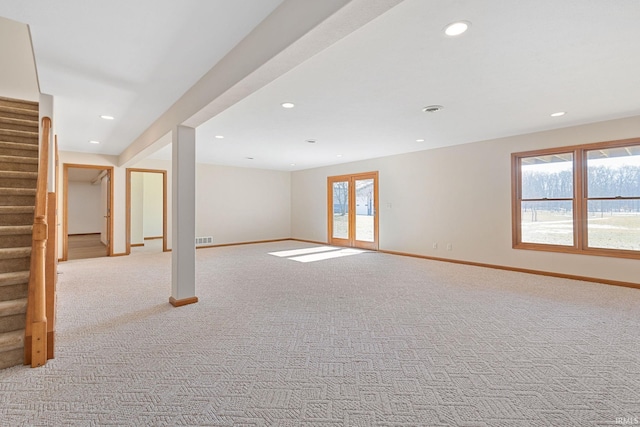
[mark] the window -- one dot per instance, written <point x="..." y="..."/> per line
<point x="583" y="199"/>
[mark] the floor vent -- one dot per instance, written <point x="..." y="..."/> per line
<point x="204" y="240"/>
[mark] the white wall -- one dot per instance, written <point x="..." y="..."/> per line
<point x="459" y="195"/>
<point x="137" y="207"/>
<point x="85" y="208"/>
<point x="152" y="204"/>
<point x="161" y="165"/>
<point x="241" y="205"/>
<point x="233" y="205"/>
<point x="18" y="77"/>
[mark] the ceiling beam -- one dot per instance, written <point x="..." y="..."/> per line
<point x="293" y="33"/>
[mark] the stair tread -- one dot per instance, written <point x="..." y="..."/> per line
<point x="16" y="209"/>
<point x="20" y="122"/>
<point x="13" y="307"/>
<point x="18" y="132"/>
<point x="7" y="230"/>
<point x="18" y="159"/>
<point x="19" y="145"/>
<point x="18" y="174"/>
<point x="14" y="278"/>
<point x="18" y="191"/>
<point x="11" y="340"/>
<point x="20" y="103"/>
<point x="8" y="110"/>
<point x="8" y="253"/>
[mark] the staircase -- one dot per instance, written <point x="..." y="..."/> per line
<point x="18" y="175"/>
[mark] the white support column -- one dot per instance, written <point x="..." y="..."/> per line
<point x="183" y="205"/>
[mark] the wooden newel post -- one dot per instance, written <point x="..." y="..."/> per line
<point x="36" y="330"/>
<point x="39" y="324"/>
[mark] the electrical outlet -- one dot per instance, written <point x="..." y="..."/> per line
<point x="435" y="246"/>
<point x="449" y="247"/>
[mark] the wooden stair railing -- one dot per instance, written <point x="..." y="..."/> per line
<point x="36" y="327"/>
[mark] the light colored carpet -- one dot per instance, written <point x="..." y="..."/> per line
<point x="363" y="340"/>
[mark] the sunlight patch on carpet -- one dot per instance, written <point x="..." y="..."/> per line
<point x="327" y="255"/>
<point x="316" y="253"/>
<point x="304" y="251"/>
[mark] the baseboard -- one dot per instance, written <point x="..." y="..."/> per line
<point x="84" y="234"/>
<point x="520" y="270"/>
<point x="453" y="261"/>
<point x="504" y="267"/>
<point x="180" y="302"/>
<point x="119" y="254"/>
<point x="135" y="245"/>
<point x="153" y="238"/>
<point x="242" y="243"/>
<point x="310" y="241"/>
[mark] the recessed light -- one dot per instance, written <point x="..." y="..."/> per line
<point x="339" y="155"/>
<point x="288" y="104"/>
<point x="558" y="114"/>
<point x="419" y="140"/>
<point x="219" y="137"/>
<point x="107" y="117"/>
<point x="292" y="164"/>
<point x="432" y="108"/>
<point x="311" y="141"/>
<point x="457" y="28"/>
<point x="249" y="158"/>
<point x="94" y="142"/>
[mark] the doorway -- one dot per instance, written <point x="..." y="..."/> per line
<point x="87" y="225"/>
<point x="352" y="210"/>
<point x="146" y="210"/>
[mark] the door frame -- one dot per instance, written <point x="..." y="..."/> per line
<point x="65" y="202"/>
<point x="164" y="205"/>
<point x="351" y="240"/>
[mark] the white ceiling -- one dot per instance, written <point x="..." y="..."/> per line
<point x="128" y="59"/>
<point x="360" y="98"/>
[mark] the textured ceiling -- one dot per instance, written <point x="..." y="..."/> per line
<point x="128" y="59"/>
<point x="363" y="97"/>
<point x="360" y="98"/>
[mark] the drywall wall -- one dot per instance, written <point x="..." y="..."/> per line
<point x="461" y="196"/>
<point x="137" y="207"/>
<point x="18" y="77"/>
<point x="152" y="204"/>
<point x="160" y="165"/>
<point x="233" y="204"/>
<point x="85" y="208"/>
<point x="241" y="204"/>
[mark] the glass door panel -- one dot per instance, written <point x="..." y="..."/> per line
<point x="365" y="210"/>
<point x="340" y="210"/>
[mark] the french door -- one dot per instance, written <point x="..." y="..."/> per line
<point x="353" y="210"/>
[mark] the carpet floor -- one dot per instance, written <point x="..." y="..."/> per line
<point x="364" y="339"/>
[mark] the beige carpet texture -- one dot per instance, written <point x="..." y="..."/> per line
<point x="330" y="338"/>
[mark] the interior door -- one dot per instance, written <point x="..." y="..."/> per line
<point x="107" y="215"/>
<point x="352" y="210"/>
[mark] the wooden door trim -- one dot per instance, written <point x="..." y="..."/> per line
<point x="164" y="206"/>
<point x="351" y="178"/>
<point x="375" y="244"/>
<point x="65" y="202"/>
